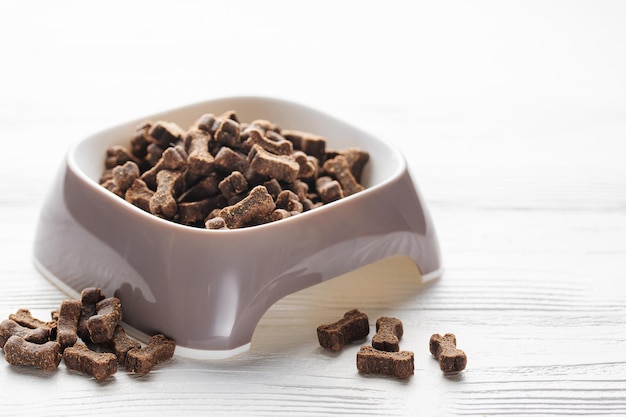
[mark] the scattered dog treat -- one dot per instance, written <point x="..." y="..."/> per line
<point x="121" y="344"/>
<point x="444" y="349"/>
<point x="353" y="326"/>
<point x="10" y="328"/>
<point x="24" y="318"/>
<point x="18" y="351"/>
<point x="373" y="361"/>
<point x="100" y="365"/>
<point x="183" y="176"/>
<point x="142" y="360"/>
<point x="67" y="325"/>
<point x="108" y="315"/>
<point x="95" y="319"/>
<point x="388" y="333"/>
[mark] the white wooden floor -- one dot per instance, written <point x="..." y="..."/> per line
<point x="512" y="117"/>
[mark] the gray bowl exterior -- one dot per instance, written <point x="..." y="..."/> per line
<point x="208" y="289"/>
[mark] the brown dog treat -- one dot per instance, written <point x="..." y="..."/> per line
<point x="388" y="333"/>
<point x="139" y="194"/>
<point x="108" y="315"/>
<point x="373" y="361"/>
<point x="153" y="154"/>
<point x="69" y="313"/>
<point x="257" y="205"/>
<point x="353" y="326"/>
<point x="309" y="166"/>
<point x="288" y="200"/>
<point x="338" y="167"/>
<point x="173" y="159"/>
<point x="275" y="143"/>
<point x="279" y="214"/>
<point x="121" y="344"/>
<point x="195" y="212"/>
<point x="206" y="122"/>
<point x="206" y="187"/>
<point x="124" y="175"/>
<point x="200" y="160"/>
<point x="233" y="184"/>
<point x="163" y="202"/>
<point x="18" y="351"/>
<point x="281" y="167"/>
<point x="228" y="160"/>
<point x="23" y="317"/>
<point x="82" y="359"/>
<point x="357" y="159"/>
<point x="140" y="140"/>
<point x="215" y="223"/>
<point x="117" y="155"/>
<point x="228" y="133"/>
<point x="309" y="143"/>
<point x="10" y="328"/>
<point x="444" y="349"/>
<point x="158" y="349"/>
<point x="165" y="133"/>
<point x="329" y="190"/>
<point x="89" y="297"/>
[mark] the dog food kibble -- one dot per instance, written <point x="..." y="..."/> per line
<point x="67" y="326"/>
<point x="142" y="360"/>
<point x="184" y="176"/>
<point x="444" y="349"/>
<point x="121" y="344"/>
<point x="100" y="365"/>
<point x="370" y="360"/>
<point x="95" y="319"/>
<point x="353" y="326"/>
<point x="10" y="328"/>
<point x="388" y="334"/>
<point x="24" y="318"/>
<point x="108" y="315"/>
<point x="46" y="356"/>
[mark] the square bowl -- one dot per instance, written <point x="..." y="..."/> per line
<point x="207" y="289"/>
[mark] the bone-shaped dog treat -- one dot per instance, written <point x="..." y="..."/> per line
<point x="200" y="160"/>
<point x="339" y="168"/>
<point x="23" y="317"/>
<point x="328" y="189"/>
<point x="158" y="349"/>
<point x="357" y="159"/>
<point x="233" y="184"/>
<point x="275" y="144"/>
<point x="67" y="325"/>
<point x="165" y="133"/>
<point x="124" y="175"/>
<point x="117" y="155"/>
<point x="89" y="297"/>
<point x="228" y="133"/>
<point x="353" y="326"/>
<point x="256" y="206"/>
<point x="229" y="160"/>
<point x="10" y="328"/>
<point x="108" y="315"/>
<point x="309" y="143"/>
<point x="100" y="365"/>
<point x="281" y="167"/>
<point x="309" y="166"/>
<point x="288" y="200"/>
<point x="141" y="139"/>
<point x="215" y="223"/>
<point x="373" y="361"/>
<point x="18" y="351"/>
<point x="388" y="333"/>
<point x="139" y="195"/>
<point x="444" y="349"/>
<point x="121" y="344"/>
<point x="163" y="202"/>
<point x="173" y="159"/>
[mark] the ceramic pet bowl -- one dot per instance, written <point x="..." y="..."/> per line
<point x="208" y="289"/>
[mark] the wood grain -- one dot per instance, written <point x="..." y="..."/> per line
<point x="511" y="118"/>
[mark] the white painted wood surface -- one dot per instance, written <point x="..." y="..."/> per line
<point x="512" y="116"/>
